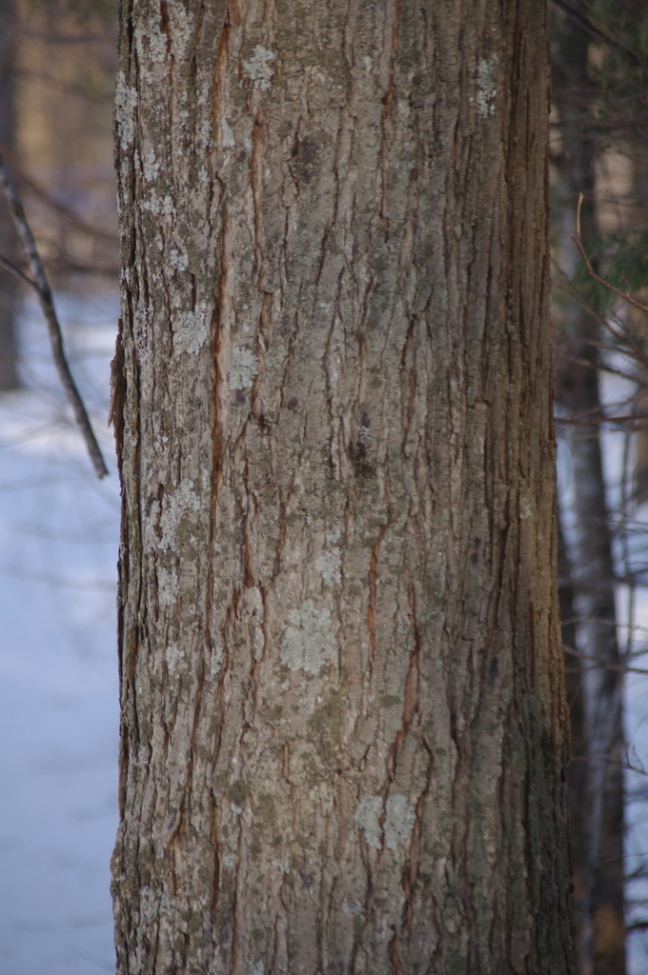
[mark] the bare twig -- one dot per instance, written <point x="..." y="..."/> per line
<point x="620" y="334"/>
<point x="42" y="194"/>
<point x="599" y="665"/>
<point x="590" y="270"/>
<point x="43" y="290"/>
<point x="600" y="420"/>
<point x="52" y="38"/>
<point x="8" y="266"/>
<point x="598" y="32"/>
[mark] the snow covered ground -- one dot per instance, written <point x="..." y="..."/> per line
<point x="58" y="664"/>
<point x="58" y="669"/>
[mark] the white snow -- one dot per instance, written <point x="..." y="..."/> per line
<point x="58" y="660"/>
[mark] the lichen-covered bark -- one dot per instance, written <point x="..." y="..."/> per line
<point x="343" y="731"/>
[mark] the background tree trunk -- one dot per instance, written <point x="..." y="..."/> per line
<point x="601" y="913"/>
<point x="343" y="720"/>
<point x="576" y="778"/>
<point x="9" y="290"/>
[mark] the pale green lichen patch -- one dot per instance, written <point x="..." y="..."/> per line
<point x="397" y="821"/>
<point x="487" y="89"/>
<point x="525" y="509"/>
<point x="151" y="166"/>
<point x="243" y="369"/>
<point x="328" y="563"/>
<point x="151" y="44"/>
<point x="168" y="589"/>
<point x="175" y="506"/>
<point x="126" y="99"/>
<point x="227" y="135"/>
<point x="173" y="656"/>
<point x="259" y="68"/>
<point x="365" y="436"/>
<point x="191" y="330"/>
<point x="178" y="260"/>
<point x="308" y="644"/>
<point x="159" y="206"/>
<point x="367" y="817"/>
<point x="216" y="660"/>
<point x="355" y="908"/>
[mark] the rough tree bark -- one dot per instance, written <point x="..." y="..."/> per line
<point x="343" y="718"/>
<point x="600" y="911"/>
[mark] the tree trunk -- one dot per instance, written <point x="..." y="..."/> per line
<point x="602" y="931"/>
<point x="576" y="777"/>
<point x="343" y="718"/>
<point x="9" y="290"/>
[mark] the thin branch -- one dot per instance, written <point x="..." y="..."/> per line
<point x="602" y="664"/>
<point x="590" y="270"/>
<point x="47" y="198"/>
<point x="53" y="38"/>
<point x="599" y="421"/>
<point x="622" y="336"/>
<point x="46" y="299"/>
<point x="596" y="31"/>
<point x="66" y="264"/>
<point x="8" y="266"/>
<point x="65" y="582"/>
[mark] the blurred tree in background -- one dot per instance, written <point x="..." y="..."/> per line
<point x="9" y="290"/>
<point x="600" y="88"/>
<point x="57" y="67"/>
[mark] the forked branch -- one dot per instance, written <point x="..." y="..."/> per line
<point x="590" y="270"/>
<point x="38" y="281"/>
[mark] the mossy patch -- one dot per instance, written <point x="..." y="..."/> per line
<point x="265" y="809"/>
<point x="324" y="724"/>
<point x="238" y="792"/>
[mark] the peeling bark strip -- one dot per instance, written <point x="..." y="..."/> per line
<point x="343" y="724"/>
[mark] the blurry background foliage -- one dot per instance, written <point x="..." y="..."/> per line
<point x="62" y="67"/>
<point x="599" y="148"/>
